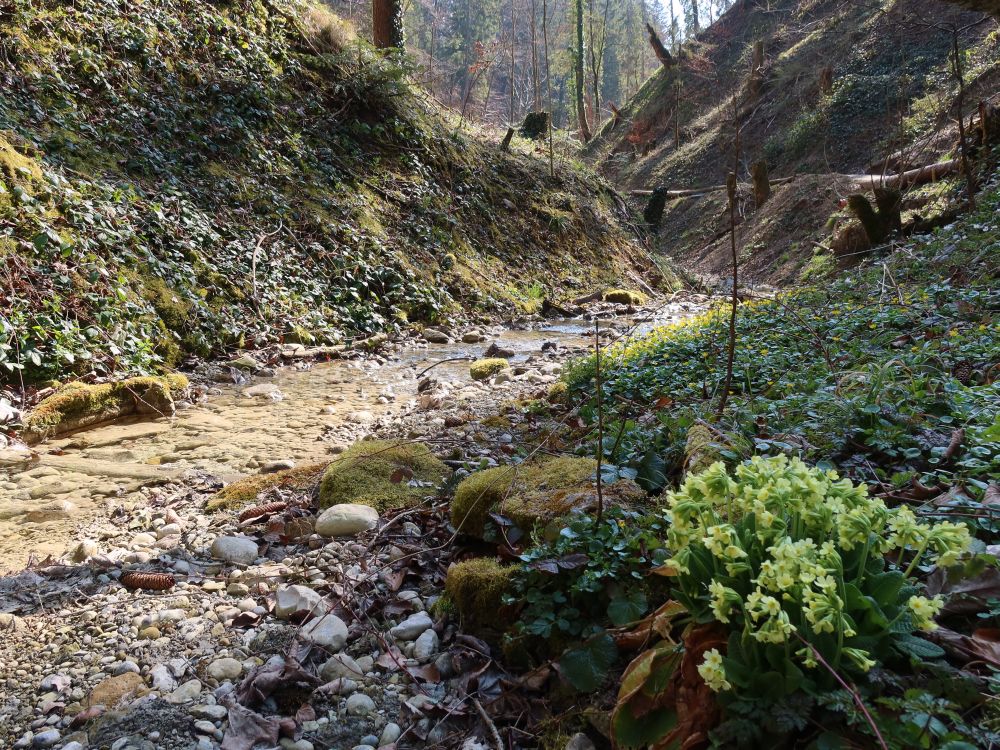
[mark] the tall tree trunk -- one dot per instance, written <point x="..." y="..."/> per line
<point x="548" y="87"/>
<point x="535" y="88"/>
<point x="581" y="107"/>
<point x="513" y="42"/>
<point x="387" y="23"/>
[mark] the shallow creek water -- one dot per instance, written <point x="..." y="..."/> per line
<point x="323" y="407"/>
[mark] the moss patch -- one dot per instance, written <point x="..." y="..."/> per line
<point x="383" y="474"/>
<point x="533" y="492"/>
<point x="76" y="405"/>
<point x="475" y="589"/>
<point x="482" y="369"/>
<point x="624" y="297"/>
<point x="247" y="490"/>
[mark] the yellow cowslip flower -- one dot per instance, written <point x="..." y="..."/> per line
<point x="924" y="611"/>
<point x="713" y="672"/>
<point x="949" y="540"/>
<point x="723" y="600"/>
<point x="905" y="531"/>
<point x="808" y="658"/>
<point x="859" y="658"/>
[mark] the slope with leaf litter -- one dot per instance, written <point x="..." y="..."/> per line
<point x="844" y="89"/>
<point x="187" y="177"/>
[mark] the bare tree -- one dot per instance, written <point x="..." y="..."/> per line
<point x="581" y="107"/>
<point x="387" y="24"/>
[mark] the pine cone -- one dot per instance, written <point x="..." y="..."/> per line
<point x="963" y="372"/>
<point x="262" y="510"/>
<point x="147" y="581"/>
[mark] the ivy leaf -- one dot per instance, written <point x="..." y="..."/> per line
<point x="586" y="667"/>
<point x="627" y="608"/>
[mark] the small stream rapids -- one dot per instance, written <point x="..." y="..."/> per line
<point x="306" y="412"/>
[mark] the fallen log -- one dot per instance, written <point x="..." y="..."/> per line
<point x="909" y="178"/>
<point x="918" y="176"/>
<point x="699" y="191"/>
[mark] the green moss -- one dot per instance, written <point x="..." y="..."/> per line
<point x="15" y="167"/>
<point x="244" y="491"/>
<point x="533" y="492"/>
<point x="383" y="474"/>
<point x="77" y="405"/>
<point x="558" y="393"/>
<point x="475" y="589"/>
<point x="482" y="369"/>
<point x="624" y="297"/>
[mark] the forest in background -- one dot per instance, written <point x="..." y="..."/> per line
<point x="468" y="52"/>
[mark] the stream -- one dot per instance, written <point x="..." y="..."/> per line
<point x="306" y="412"/>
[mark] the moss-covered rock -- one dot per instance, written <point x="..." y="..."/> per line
<point x="483" y="369"/>
<point x="704" y="446"/>
<point x="475" y="589"/>
<point x="77" y="405"/>
<point x="558" y="393"/>
<point x="533" y="492"/>
<point x="383" y="474"/>
<point x="247" y="490"/>
<point x="624" y="297"/>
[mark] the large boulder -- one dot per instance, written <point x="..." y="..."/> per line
<point x="384" y="474"/>
<point x="76" y="405"/>
<point x="534" y="492"/>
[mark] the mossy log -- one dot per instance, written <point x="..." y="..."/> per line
<point x="624" y="297"/>
<point x="77" y="406"/>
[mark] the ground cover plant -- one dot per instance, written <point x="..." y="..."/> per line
<point x="212" y="175"/>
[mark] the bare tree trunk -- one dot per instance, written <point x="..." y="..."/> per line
<point x="661" y="52"/>
<point x="970" y="178"/>
<point x="430" y="71"/>
<point x="581" y="107"/>
<point x="761" y="184"/>
<point x="387" y="24"/>
<point x="535" y="89"/>
<point x="548" y="86"/>
<point x="513" y="41"/>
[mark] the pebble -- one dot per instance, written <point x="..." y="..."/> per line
<point x="390" y="733"/>
<point x="46" y="739"/>
<point x="213" y="712"/>
<point x="341" y="665"/>
<point x="225" y="669"/>
<point x="327" y="630"/>
<point x="412" y="626"/>
<point x="360" y="704"/>
<point x="426" y="645"/>
<point x="161" y="679"/>
<point x="346" y="520"/>
<point x="185" y="693"/>
<point x="580" y="741"/>
<point x="240" y="550"/>
<point x="292" y="599"/>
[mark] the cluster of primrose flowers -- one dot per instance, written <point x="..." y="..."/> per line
<point x="764" y="552"/>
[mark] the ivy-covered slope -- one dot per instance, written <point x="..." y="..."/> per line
<point x="844" y="89"/>
<point x="180" y="176"/>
